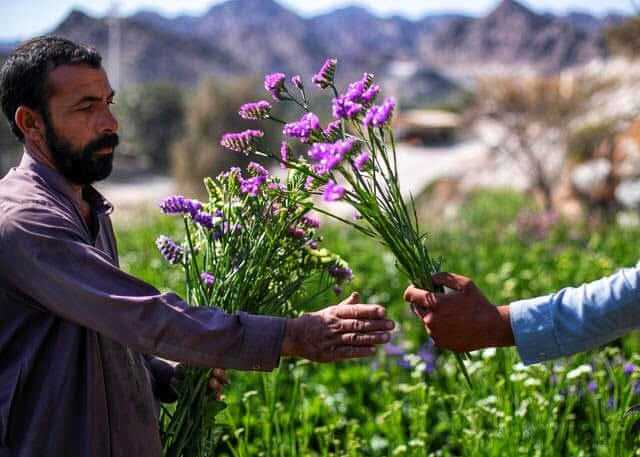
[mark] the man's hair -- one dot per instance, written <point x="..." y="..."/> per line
<point x="24" y="75"/>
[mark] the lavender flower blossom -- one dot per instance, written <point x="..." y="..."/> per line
<point x="204" y="219"/>
<point x="311" y="221"/>
<point x="243" y="141"/>
<point x="255" y="110"/>
<point x="285" y="152"/>
<point x="592" y="386"/>
<point x="169" y="249"/>
<point x="361" y="160"/>
<point x="629" y="368"/>
<point x="356" y="90"/>
<point x="378" y="116"/>
<point x="340" y="274"/>
<point x="257" y="169"/>
<point x="370" y="94"/>
<point x="327" y="156"/>
<point x="296" y="232"/>
<point x="274" y="83"/>
<point x="324" y="78"/>
<point x="309" y="183"/>
<point x="207" y="279"/>
<point x="297" y="81"/>
<point x="177" y="204"/>
<point x="251" y="186"/>
<point x="333" y="192"/>
<point x="332" y="132"/>
<point x="304" y="128"/>
<point x="428" y="354"/>
<point x="342" y="108"/>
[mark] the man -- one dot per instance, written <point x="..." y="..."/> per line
<point x="571" y="320"/>
<point x="73" y="380"/>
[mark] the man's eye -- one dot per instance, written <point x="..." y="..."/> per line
<point x="84" y="108"/>
<point x="111" y="102"/>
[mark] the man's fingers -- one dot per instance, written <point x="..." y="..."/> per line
<point x="451" y="280"/>
<point x="221" y="375"/>
<point x="358" y="311"/>
<point x="423" y="300"/>
<point x="364" y="339"/>
<point x="352" y="299"/>
<point x="358" y="325"/>
<point x="351" y="352"/>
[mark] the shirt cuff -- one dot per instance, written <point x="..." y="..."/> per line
<point x="534" y="330"/>
<point x="262" y="344"/>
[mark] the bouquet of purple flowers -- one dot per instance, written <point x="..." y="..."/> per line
<point x="253" y="247"/>
<point x="351" y="159"/>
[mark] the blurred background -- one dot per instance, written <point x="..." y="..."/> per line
<point x="539" y="97"/>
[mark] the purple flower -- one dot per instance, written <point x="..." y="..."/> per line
<point x="629" y="368"/>
<point x="428" y="354"/>
<point x="274" y="83"/>
<point x="257" y="169"/>
<point x="370" y="94"/>
<point x="285" y="152"/>
<point x="304" y="128"/>
<point x="309" y="183"/>
<point x="394" y="350"/>
<point x="207" y="279"/>
<point x="356" y="90"/>
<point x="361" y="160"/>
<point x="255" y="110"/>
<point x="340" y="274"/>
<point x="327" y="156"/>
<point x="204" y="219"/>
<point x="324" y="78"/>
<point x="313" y="244"/>
<point x="297" y="81"/>
<point x="343" y="108"/>
<point x="251" y="186"/>
<point x="169" y="249"/>
<point x="379" y="115"/>
<point x="296" y="232"/>
<point x="311" y="221"/>
<point x="243" y="141"/>
<point x="592" y="386"/>
<point x="333" y="131"/>
<point x="177" y="204"/>
<point x="333" y="192"/>
<point x="337" y="290"/>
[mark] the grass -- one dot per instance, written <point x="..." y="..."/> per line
<point x="394" y="405"/>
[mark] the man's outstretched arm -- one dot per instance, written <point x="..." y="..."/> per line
<point x="571" y="320"/>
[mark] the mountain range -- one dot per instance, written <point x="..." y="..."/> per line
<point x="247" y="37"/>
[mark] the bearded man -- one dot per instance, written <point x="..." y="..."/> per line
<point x="79" y="338"/>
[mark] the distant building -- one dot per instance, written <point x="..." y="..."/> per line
<point x="427" y="126"/>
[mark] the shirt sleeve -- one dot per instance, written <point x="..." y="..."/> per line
<point x="576" y="319"/>
<point x="43" y="255"/>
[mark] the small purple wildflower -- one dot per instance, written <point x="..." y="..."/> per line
<point x="243" y="141"/>
<point x="296" y="232"/>
<point x="274" y="83"/>
<point x="357" y="89"/>
<point x="257" y="169"/>
<point x="592" y="386"/>
<point x="324" y="78"/>
<point x="394" y="350"/>
<point x="340" y="274"/>
<point x="337" y="290"/>
<point x="204" y="219"/>
<point x="370" y="94"/>
<point x="333" y="192"/>
<point x="343" y="108"/>
<point x="297" y="81"/>
<point x="251" y="186"/>
<point x="629" y="368"/>
<point x="177" y="204"/>
<point x="169" y="249"/>
<point x="304" y="128"/>
<point x="255" y="110"/>
<point x="313" y="244"/>
<point x="285" y="152"/>
<point x="428" y="354"/>
<point x="361" y="160"/>
<point x="379" y="115"/>
<point x="311" y="221"/>
<point x="332" y="132"/>
<point x="309" y="183"/>
<point x="207" y="279"/>
<point x="327" y="156"/>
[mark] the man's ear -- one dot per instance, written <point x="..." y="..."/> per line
<point x="30" y="123"/>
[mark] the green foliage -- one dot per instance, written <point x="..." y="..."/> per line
<point x="378" y="408"/>
<point x="151" y="119"/>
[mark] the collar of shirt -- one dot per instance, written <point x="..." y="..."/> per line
<point x="58" y="182"/>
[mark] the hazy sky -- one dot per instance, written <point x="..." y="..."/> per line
<point x="24" y="18"/>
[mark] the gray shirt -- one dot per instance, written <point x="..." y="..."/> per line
<point x="78" y="335"/>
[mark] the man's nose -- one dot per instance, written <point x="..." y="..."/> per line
<point x="108" y="122"/>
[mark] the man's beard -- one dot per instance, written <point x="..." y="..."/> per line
<point x="82" y="166"/>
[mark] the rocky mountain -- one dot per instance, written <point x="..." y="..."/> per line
<point x="256" y="36"/>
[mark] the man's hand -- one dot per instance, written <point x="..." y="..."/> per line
<point x="463" y="320"/>
<point x="345" y="331"/>
<point x="217" y="380"/>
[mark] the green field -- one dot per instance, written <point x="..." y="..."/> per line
<point x="410" y="401"/>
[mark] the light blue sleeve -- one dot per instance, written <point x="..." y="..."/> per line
<point x="576" y="319"/>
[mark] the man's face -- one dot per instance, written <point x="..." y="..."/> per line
<point x="80" y="129"/>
